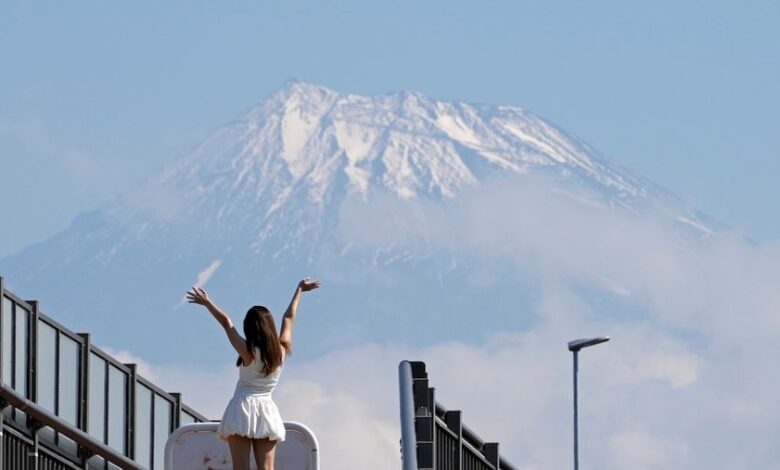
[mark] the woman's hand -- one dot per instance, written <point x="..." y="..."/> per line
<point x="197" y="295"/>
<point x="285" y="335"/>
<point x="308" y="284"/>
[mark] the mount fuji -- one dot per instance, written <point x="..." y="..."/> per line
<point x="364" y="192"/>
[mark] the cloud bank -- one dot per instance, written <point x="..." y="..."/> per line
<point x="687" y="381"/>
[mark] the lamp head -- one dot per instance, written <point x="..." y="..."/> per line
<point x="577" y="344"/>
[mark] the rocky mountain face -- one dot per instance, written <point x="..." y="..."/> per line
<point x="281" y="193"/>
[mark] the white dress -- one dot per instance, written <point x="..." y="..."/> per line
<point x="252" y="412"/>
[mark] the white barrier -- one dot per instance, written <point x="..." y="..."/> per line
<point x="198" y="447"/>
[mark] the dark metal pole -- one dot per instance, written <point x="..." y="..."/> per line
<point x="32" y="456"/>
<point x="576" y="444"/>
<point x="408" y="432"/>
<point x="574" y="347"/>
<point x="3" y="403"/>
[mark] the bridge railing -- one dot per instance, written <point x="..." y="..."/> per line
<point x="433" y="437"/>
<point x="70" y="378"/>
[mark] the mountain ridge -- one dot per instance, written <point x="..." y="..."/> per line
<point x="263" y="198"/>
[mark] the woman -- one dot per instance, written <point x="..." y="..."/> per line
<point x="251" y="420"/>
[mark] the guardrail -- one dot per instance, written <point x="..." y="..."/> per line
<point x="63" y="374"/>
<point x="433" y="437"/>
<point x="38" y="417"/>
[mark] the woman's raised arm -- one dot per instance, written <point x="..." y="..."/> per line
<point x="288" y="320"/>
<point x="197" y="295"/>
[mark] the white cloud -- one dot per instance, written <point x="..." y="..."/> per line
<point x="683" y="380"/>
<point x="202" y="278"/>
<point x="205" y="275"/>
<point x="514" y="389"/>
<point x="692" y="319"/>
<point x="639" y="451"/>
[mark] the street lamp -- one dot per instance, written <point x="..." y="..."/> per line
<point x="574" y="347"/>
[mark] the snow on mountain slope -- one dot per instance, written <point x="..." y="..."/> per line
<point x="309" y="147"/>
<point x="262" y="198"/>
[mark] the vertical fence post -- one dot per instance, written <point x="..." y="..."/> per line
<point x="33" y="459"/>
<point x="131" y="398"/>
<point x="84" y="395"/>
<point x="32" y="352"/>
<point x="491" y="453"/>
<point x="32" y="380"/>
<point x="454" y="420"/>
<point x="432" y="423"/>
<point x="176" y="418"/>
<point x="423" y="423"/>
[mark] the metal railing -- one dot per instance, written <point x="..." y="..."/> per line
<point x="64" y="376"/>
<point x="37" y="418"/>
<point x="433" y="437"/>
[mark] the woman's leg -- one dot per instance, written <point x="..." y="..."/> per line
<point x="265" y="451"/>
<point x="239" y="451"/>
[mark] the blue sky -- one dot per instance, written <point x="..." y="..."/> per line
<point x="96" y="95"/>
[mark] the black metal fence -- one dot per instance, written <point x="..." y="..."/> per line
<point x="19" y="452"/>
<point x="433" y="437"/>
<point x="67" y="376"/>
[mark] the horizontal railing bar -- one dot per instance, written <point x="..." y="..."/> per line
<point x="154" y="388"/>
<point x="168" y="397"/>
<point x="58" y="424"/>
<point x="468" y="434"/>
<point x="443" y="426"/>
<point x="60" y="327"/>
<point x="190" y="411"/>
<point x="108" y="358"/>
<point x="472" y="438"/>
<point x="476" y="452"/>
<point x="10" y="426"/>
<point x="62" y="460"/>
<point x="15" y="298"/>
<point x="10" y="429"/>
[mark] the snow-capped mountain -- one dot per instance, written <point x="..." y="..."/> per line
<point x="311" y="146"/>
<point x="260" y="203"/>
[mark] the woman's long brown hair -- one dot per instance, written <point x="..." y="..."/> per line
<point x="260" y="332"/>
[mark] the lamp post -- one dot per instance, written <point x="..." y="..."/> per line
<point x="574" y="347"/>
